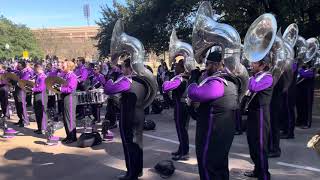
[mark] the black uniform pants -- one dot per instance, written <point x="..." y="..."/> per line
<point x="51" y="102"/>
<point x="214" y="136"/>
<point x="288" y="124"/>
<point x="276" y="116"/>
<point x="96" y="111"/>
<point x="238" y="120"/>
<point x="181" y="118"/>
<point x="305" y="95"/>
<point x="257" y="135"/>
<point x="39" y="104"/>
<point x="20" y="103"/>
<point x="4" y="99"/>
<point x="131" y="127"/>
<point x="112" y="110"/>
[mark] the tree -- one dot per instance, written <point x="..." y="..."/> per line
<point x="19" y="38"/>
<point x="151" y="21"/>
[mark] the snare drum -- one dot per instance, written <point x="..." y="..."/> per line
<point x="82" y="97"/>
<point x="97" y="96"/>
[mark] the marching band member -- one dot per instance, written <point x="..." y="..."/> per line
<point x="259" y="118"/>
<point x="289" y="106"/>
<point x="305" y="91"/>
<point x="97" y="81"/>
<point x="131" y="131"/>
<point x="82" y="74"/>
<point x="178" y="86"/>
<point x="3" y="93"/>
<point x="111" y="110"/>
<point x="20" y="95"/>
<point x="40" y="99"/>
<point x="69" y="101"/>
<point x="217" y="95"/>
<point x="29" y="94"/>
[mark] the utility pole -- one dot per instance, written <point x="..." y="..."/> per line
<point x="86" y="12"/>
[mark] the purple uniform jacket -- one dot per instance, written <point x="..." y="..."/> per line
<point x="25" y="74"/>
<point x="82" y="73"/>
<point x="71" y="85"/>
<point x="209" y="89"/>
<point x="260" y="81"/>
<point x="172" y="84"/>
<point x="120" y="85"/>
<point x="40" y="84"/>
<point x="308" y="73"/>
<point x="98" y="78"/>
<point x="52" y="72"/>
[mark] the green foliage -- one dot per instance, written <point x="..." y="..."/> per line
<point x="19" y="38"/>
<point x="151" y="21"/>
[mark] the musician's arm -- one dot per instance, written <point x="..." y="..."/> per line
<point x="70" y="86"/>
<point x="261" y="84"/>
<point x="212" y="89"/>
<point x="307" y="73"/>
<point x="26" y="75"/>
<point x="172" y="84"/>
<point x="40" y="87"/>
<point x="121" y="85"/>
<point x="84" y="75"/>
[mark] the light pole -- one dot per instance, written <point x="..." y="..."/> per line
<point x="7" y="48"/>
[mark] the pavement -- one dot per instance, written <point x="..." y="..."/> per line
<point x="26" y="157"/>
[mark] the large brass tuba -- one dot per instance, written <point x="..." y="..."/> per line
<point x="260" y="38"/>
<point x="121" y="43"/>
<point x="306" y="49"/>
<point x="179" y="48"/>
<point x="207" y="32"/>
<point x="290" y="37"/>
<point x="312" y="48"/>
<point x="316" y="61"/>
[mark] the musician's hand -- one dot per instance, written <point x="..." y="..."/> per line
<point x="28" y="88"/>
<point x="14" y="83"/>
<point x="195" y="75"/>
<point x="57" y="87"/>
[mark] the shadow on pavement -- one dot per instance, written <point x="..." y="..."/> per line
<point x="53" y="166"/>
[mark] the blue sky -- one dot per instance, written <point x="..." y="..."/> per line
<point x="51" y="13"/>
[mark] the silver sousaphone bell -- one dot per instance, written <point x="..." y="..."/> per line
<point x="208" y="32"/>
<point x="179" y="48"/>
<point x="122" y="43"/>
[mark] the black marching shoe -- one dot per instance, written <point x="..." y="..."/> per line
<point x="274" y="154"/>
<point x="65" y="139"/>
<point x="72" y="137"/>
<point x="180" y="157"/>
<point x="251" y="174"/>
<point x="18" y="123"/>
<point x="286" y="136"/>
<point x="175" y="153"/>
<point x="37" y="131"/>
<point x="127" y="177"/>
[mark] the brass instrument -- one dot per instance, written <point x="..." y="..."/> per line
<point x="51" y="82"/>
<point x="26" y="85"/>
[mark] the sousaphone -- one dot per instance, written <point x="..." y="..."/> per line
<point x="123" y="44"/>
<point x="179" y="48"/>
